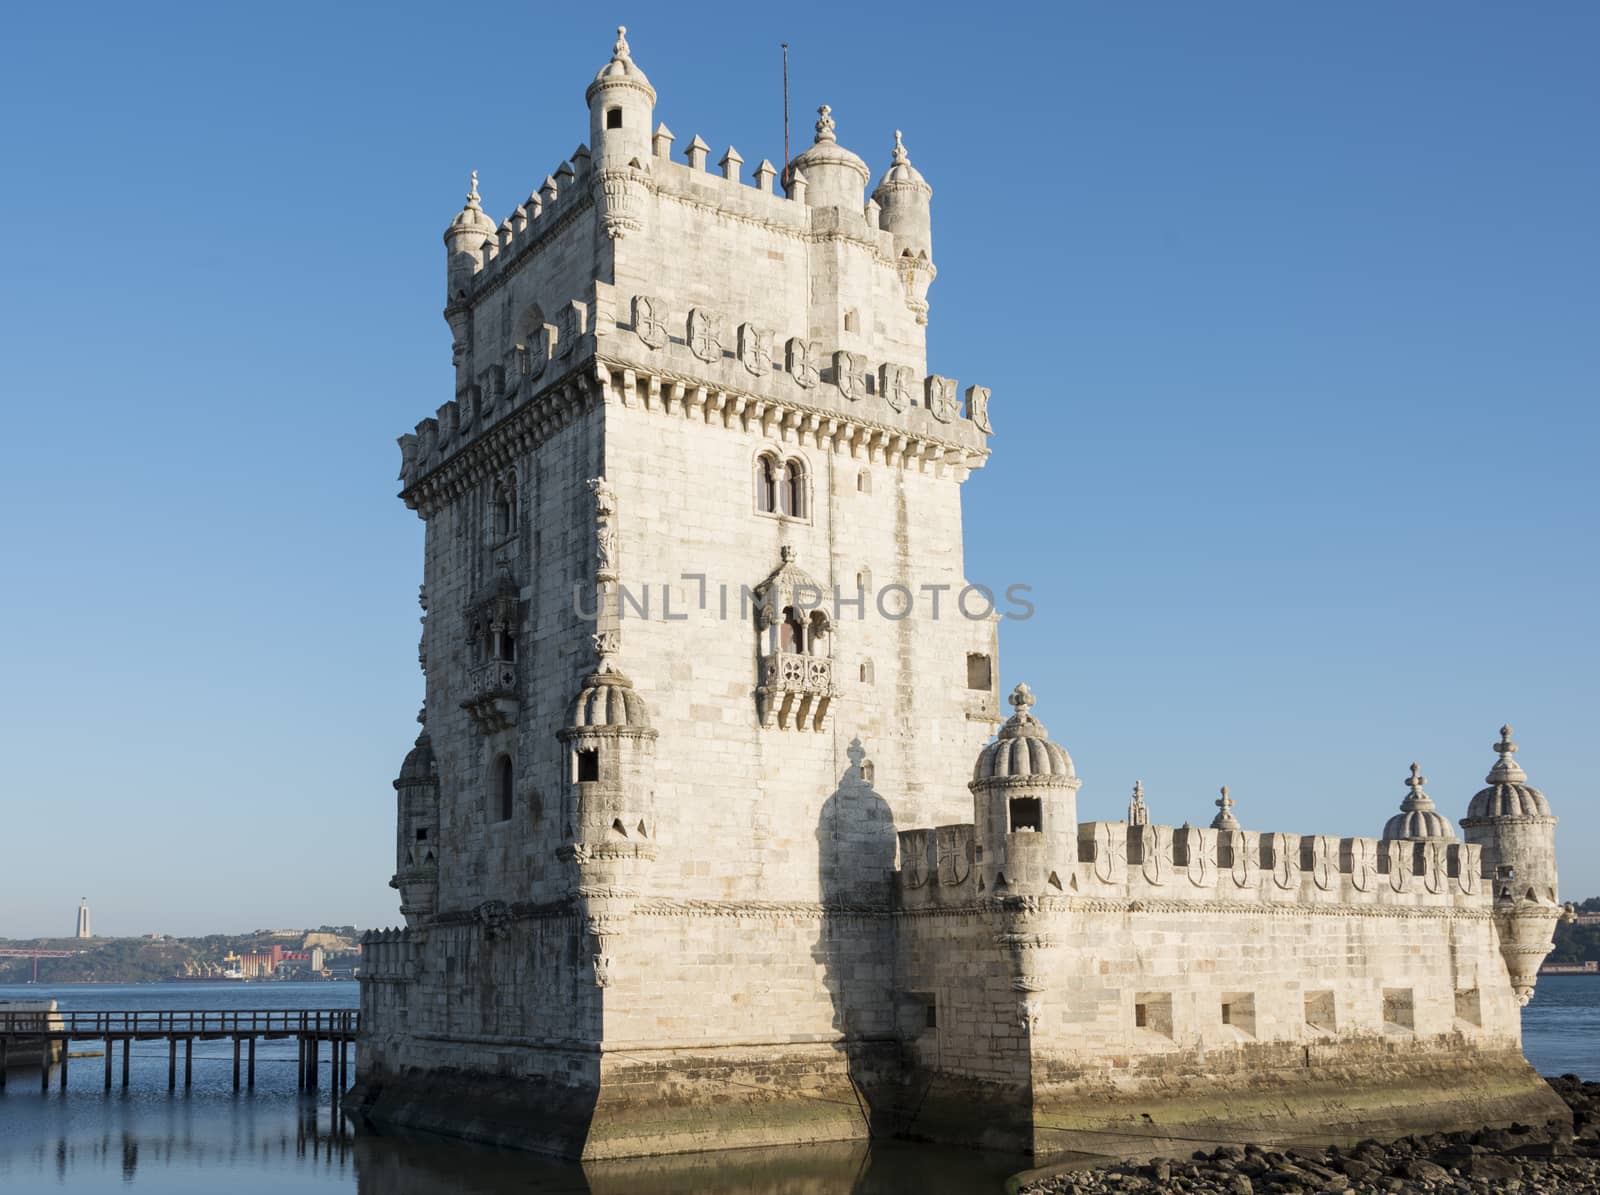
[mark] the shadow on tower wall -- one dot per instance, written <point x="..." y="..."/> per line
<point x="855" y="860"/>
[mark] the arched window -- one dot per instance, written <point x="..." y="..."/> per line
<point x="792" y="632"/>
<point x="817" y="634"/>
<point x="793" y="496"/>
<point x="767" y="483"/>
<point x="504" y="788"/>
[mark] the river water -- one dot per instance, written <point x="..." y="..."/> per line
<point x="278" y="1141"/>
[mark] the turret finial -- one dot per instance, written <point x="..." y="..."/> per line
<point x="1505" y="746"/>
<point x="1417" y="779"/>
<point x="1138" y="813"/>
<point x="1225" y="819"/>
<point x="1021" y="699"/>
<point x="900" y="158"/>
<point x="472" y="195"/>
<point x="620" y="50"/>
<point x="825" y="124"/>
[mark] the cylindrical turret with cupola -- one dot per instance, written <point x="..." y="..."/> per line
<point x="904" y="201"/>
<point x="834" y="176"/>
<point x="416" y="875"/>
<point x="609" y="814"/>
<point x="1025" y="807"/>
<point x="464" y="240"/>
<point x="1512" y="821"/>
<point x="621" y="106"/>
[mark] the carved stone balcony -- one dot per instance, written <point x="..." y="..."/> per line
<point x="795" y="690"/>
<point x="493" y="697"/>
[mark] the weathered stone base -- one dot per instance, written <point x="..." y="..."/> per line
<point x="638" y="1103"/>
<point x="1270" y="1096"/>
<point x="648" y="1102"/>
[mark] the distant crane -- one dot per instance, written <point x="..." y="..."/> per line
<point x="35" y="954"/>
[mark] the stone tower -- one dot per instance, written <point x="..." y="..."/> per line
<point x="696" y="637"/>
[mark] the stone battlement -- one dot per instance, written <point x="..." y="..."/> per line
<point x="1117" y="861"/>
<point x="703" y="364"/>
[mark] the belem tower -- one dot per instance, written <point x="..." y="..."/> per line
<point x="742" y="864"/>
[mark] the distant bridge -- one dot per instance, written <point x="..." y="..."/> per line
<point x="36" y="954"/>
<point x="310" y="1027"/>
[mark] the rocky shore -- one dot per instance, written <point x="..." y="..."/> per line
<point x="1534" y="1160"/>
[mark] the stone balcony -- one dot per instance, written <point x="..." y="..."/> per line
<point x="795" y="690"/>
<point x="493" y="698"/>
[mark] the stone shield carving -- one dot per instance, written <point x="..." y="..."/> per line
<point x="955" y="850"/>
<point x="803" y="359"/>
<point x="705" y="334"/>
<point x="847" y="375"/>
<point x="1202" y="866"/>
<point x="649" y="321"/>
<point x="1362" y="859"/>
<point x="755" y="349"/>
<point x="895" y="383"/>
<point x="941" y="397"/>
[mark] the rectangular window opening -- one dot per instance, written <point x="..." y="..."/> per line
<point x="1399" y="1010"/>
<point x="1152" y="1014"/>
<point x="979" y="673"/>
<point x="1320" y="1013"/>
<point x="1239" y="1012"/>
<point x="1026" y="814"/>
<point x="586" y="765"/>
<point x="1469" y="1008"/>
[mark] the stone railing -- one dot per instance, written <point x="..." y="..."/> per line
<point x="795" y="690"/>
<point x="797" y="673"/>
<point x="492" y="697"/>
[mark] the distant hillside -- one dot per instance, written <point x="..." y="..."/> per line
<point x="1579" y="942"/>
<point x="150" y="960"/>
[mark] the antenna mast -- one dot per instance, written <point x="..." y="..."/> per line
<point x="786" y="109"/>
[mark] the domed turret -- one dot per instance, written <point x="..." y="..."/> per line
<point x="904" y="197"/>
<point x="621" y="108"/>
<point x="1511" y="820"/>
<point x="417" y="832"/>
<point x="621" y="104"/>
<point x="464" y="239"/>
<point x="1025" y="806"/>
<point x="609" y="818"/>
<point x="834" y="176"/>
<point x="1418" y="820"/>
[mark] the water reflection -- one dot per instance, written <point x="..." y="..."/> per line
<point x="247" y="1144"/>
<point x="413" y="1167"/>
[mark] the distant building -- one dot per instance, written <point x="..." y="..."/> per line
<point x="83" y="918"/>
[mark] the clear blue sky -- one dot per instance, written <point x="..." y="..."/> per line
<point x="1290" y="313"/>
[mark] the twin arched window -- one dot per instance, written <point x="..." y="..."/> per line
<point x="782" y="486"/>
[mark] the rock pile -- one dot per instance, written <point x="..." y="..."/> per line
<point x="1527" y="1159"/>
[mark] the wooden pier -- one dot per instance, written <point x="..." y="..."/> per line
<point x="310" y="1027"/>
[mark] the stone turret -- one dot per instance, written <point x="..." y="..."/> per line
<point x="1512" y="821"/>
<point x="609" y="816"/>
<point x="904" y="201"/>
<point x="1418" y="820"/>
<point x="1025" y="807"/>
<point x="464" y="240"/>
<point x="417" y="833"/>
<point x="621" y="110"/>
<point x="834" y="177"/>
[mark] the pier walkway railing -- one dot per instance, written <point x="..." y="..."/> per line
<point x="22" y="1032"/>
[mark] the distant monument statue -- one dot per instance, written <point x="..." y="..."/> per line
<point x="83" y="918"/>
